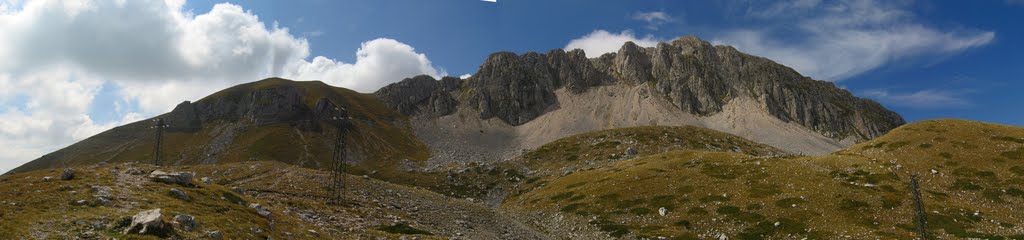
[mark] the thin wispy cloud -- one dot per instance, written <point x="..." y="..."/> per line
<point x="926" y="99"/>
<point x="654" y="19"/>
<point x="837" y="40"/>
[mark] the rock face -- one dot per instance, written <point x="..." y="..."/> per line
<point x="696" y="77"/>
<point x="148" y="222"/>
<point x="183" y="118"/>
<point x="260" y="106"/>
<point x="420" y="94"/>
<point x="519" y="88"/>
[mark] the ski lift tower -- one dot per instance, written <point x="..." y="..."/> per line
<point x="159" y="125"/>
<point x="342" y="123"/>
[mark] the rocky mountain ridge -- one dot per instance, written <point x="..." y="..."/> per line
<point x="696" y="77"/>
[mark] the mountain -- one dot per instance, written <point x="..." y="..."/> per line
<point x="272" y="119"/>
<point x="518" y="102"/>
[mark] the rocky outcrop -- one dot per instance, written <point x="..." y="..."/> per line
<point x="700" y="78"/>
<point x="278" y="104"/>
<point x="518" y="88"/>
<point x="183" y="118"/>
<point x="421" y="95"/>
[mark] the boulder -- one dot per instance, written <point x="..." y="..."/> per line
<point x="185" y="222"/>
<point x="68" y="174"/>
<point x="148" y="222"/>
<point x="102" y="194"/>
<point x="179" y="194"/>
<point x="180" y="178"/>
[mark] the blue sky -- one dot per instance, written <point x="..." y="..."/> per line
<point x="86" y="66"/>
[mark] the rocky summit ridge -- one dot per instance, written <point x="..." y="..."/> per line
<point x="690" y="73"/>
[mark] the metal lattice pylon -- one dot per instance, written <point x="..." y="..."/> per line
<point x="337" y="181"/>
<point x="158" y="148"/>
<point x="919" y="214"/>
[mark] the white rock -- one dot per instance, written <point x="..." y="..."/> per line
<point x="146" y="222"/>
<point x="260" y="209"/>
<point x="662" y="211"/>
<point x="180" y="178"/>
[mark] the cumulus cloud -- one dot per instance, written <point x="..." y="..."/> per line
<point x="928" y="98"/>
<point x="465" y="76"/>
<point x="654" y="19"/>
<point x="600" y="42"/>
<point x="156" y="54"/>
<point x="842" y="39"/>
<point x="378" y="62"/>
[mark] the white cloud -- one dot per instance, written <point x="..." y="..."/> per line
<point x="928" y="98"/>
<point x="842" y="39"/>
<point x="465" y="76"/>
<point x="654" y="19"/>
<point x="156" y="54"/>
<point x="600" y="42"/>
<point x="378" y="62"/>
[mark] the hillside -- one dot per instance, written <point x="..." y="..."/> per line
<point x="294" y="198"/>
<point x="970" y="181"/>
<point x="708" y="184"/>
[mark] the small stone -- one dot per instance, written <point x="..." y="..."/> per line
<point x="206" y="180"/>
<point x="179" y="194"/>
<point x="101" y="191"/>
<point x="662" y="211"/>
<point x="68" y="174"/>
<point x="134" y="171"/>
<point x="935" y="171"/>
<point x="260" y="209"/>
<point x="47" y="178"/>
<point x="777" y="224"/>
<point x="630" y="152"/>
<point x="215" y="235"/>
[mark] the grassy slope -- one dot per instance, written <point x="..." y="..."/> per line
<point x="861" y="192"/>
<point x="34" y="208"/>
